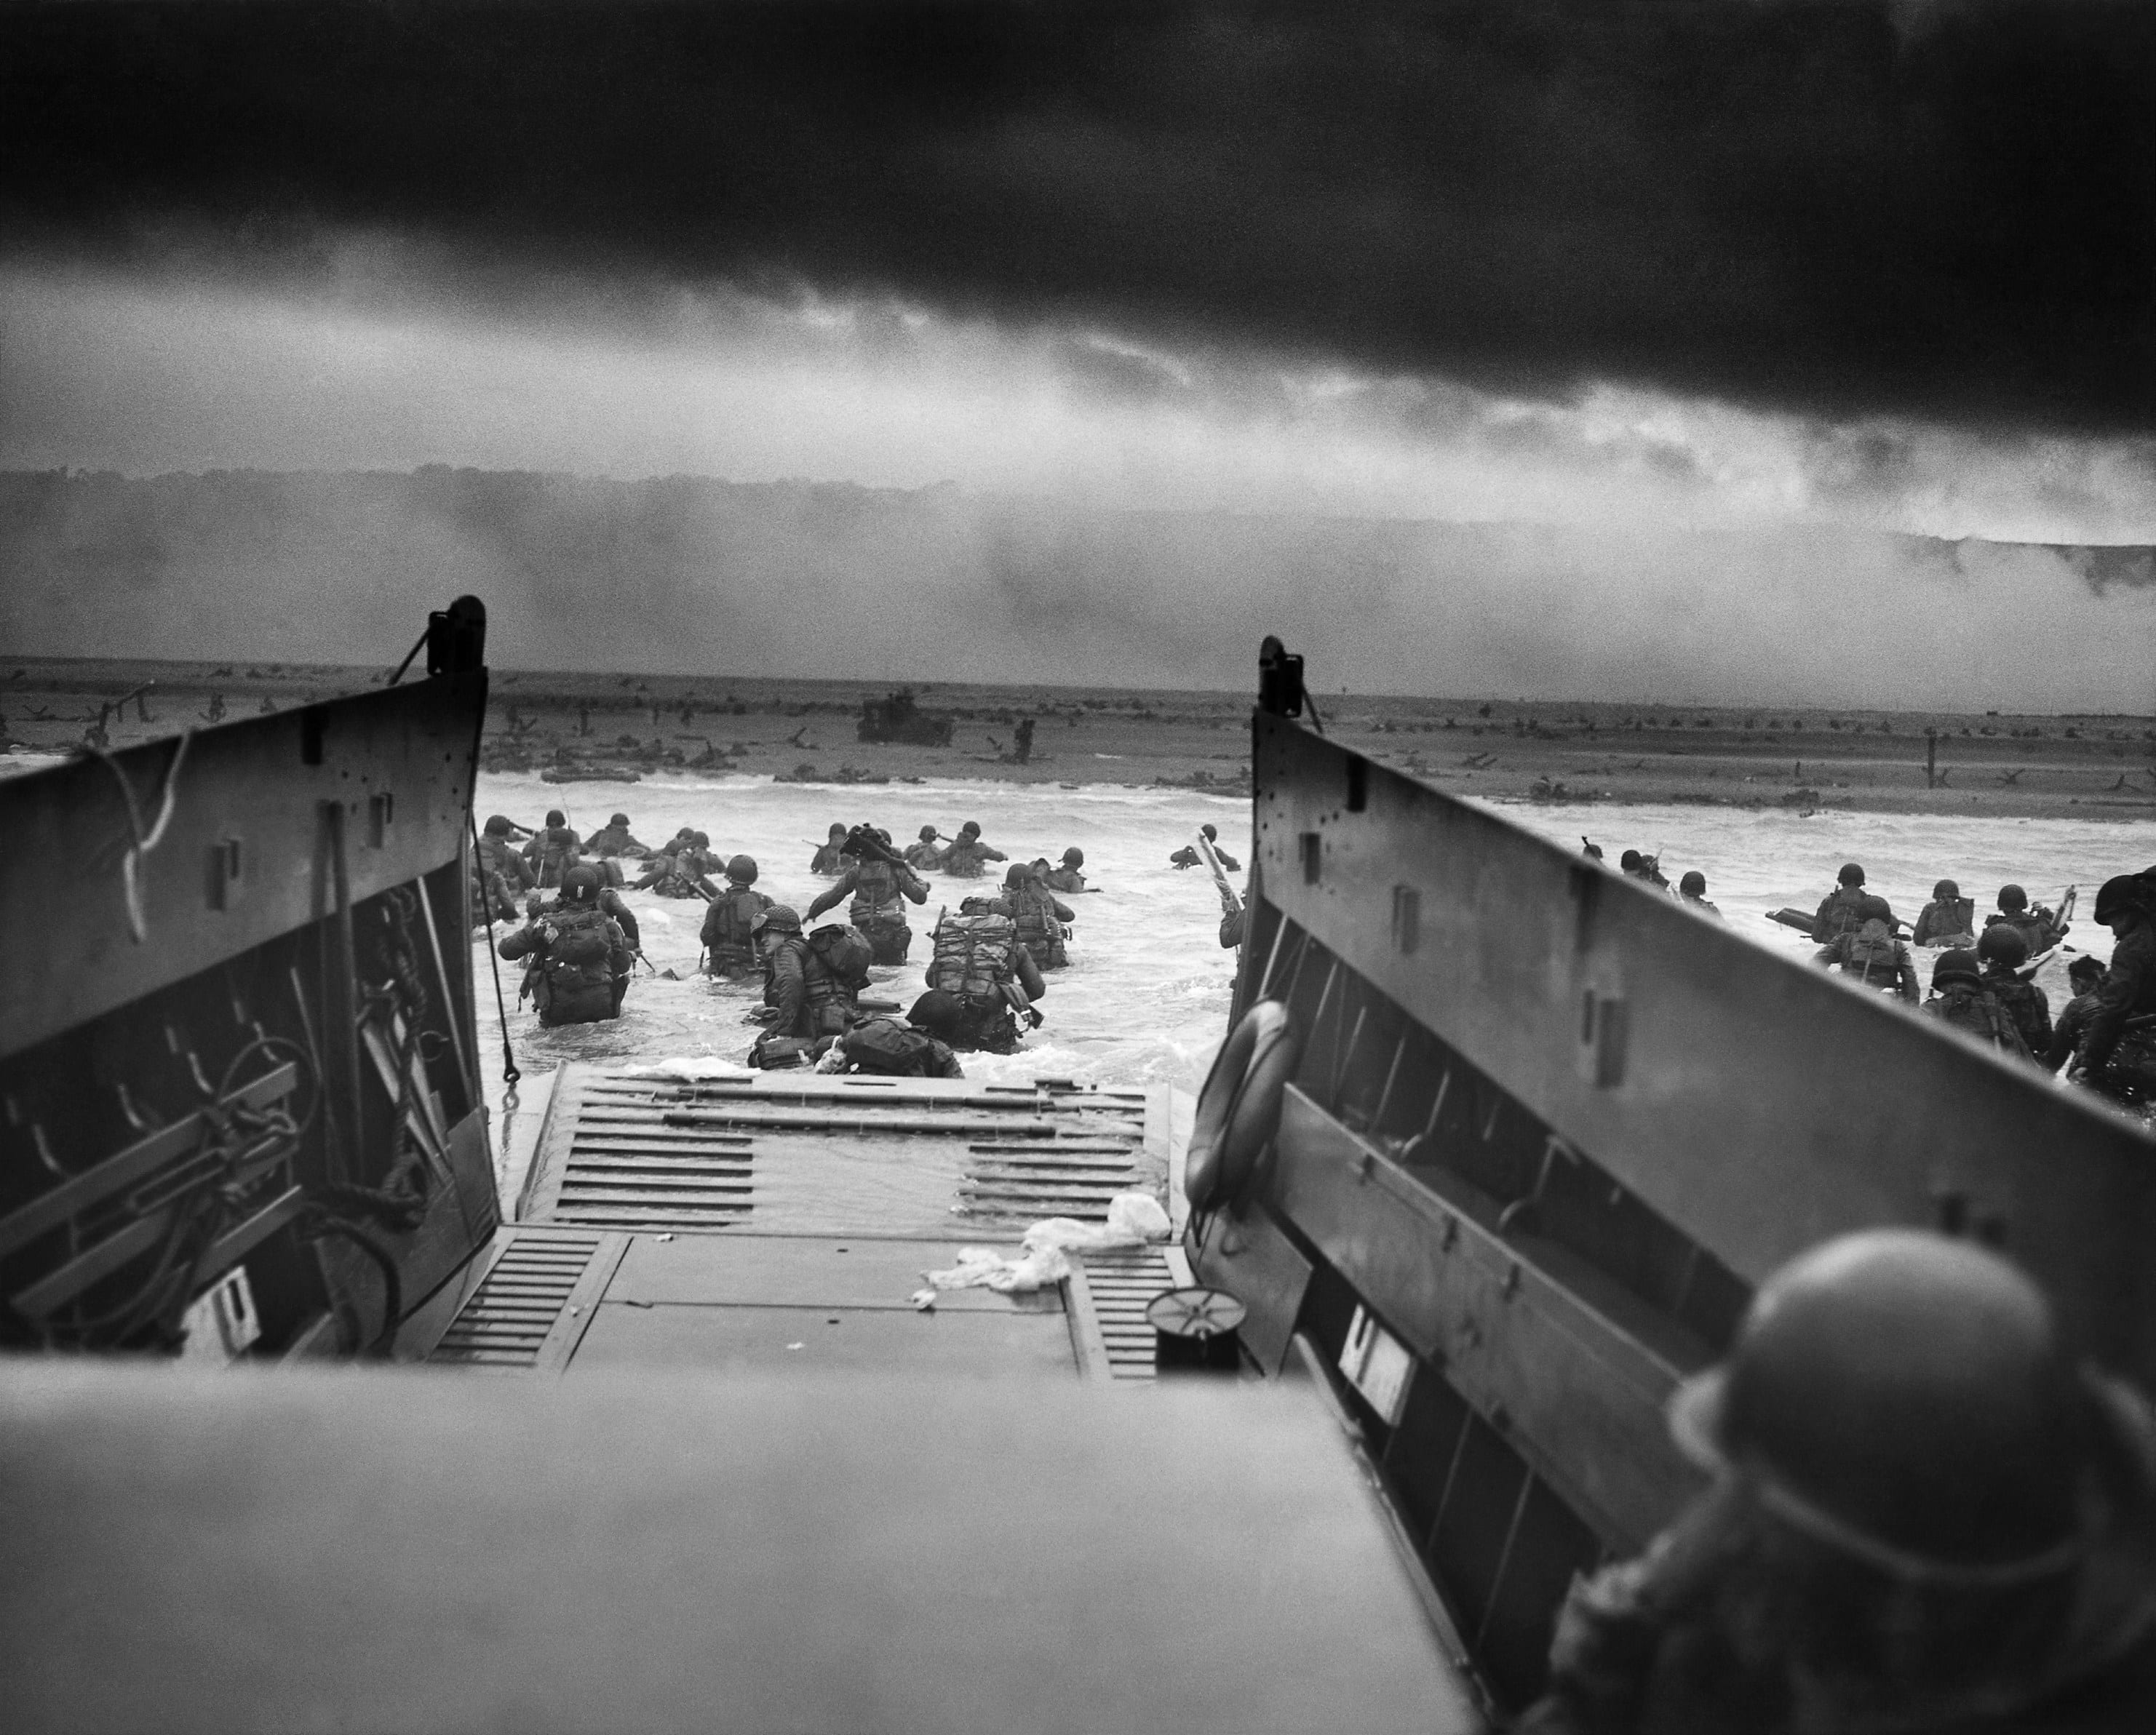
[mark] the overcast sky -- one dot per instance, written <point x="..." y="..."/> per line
<point x="1760" y="266"/>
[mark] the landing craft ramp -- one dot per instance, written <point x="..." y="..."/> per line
<point x="746" y="1223"/>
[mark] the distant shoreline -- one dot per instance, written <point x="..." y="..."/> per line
<point x="1564" y="753"/>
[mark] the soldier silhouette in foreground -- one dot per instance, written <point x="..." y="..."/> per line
<point x="1924" y="1518"/>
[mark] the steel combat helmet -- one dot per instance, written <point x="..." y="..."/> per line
<point x="2003" y="944"/>
<point x="1903" y="1399"/>
<point x="937" y="1013"/>
<point x="1073" y="857"/>
<point x="581" y="884"/>
<point x="2122" y="893"/>
<point x="778" y="919"/>
<point x="1958" y="965"/>
<point x="1851" y="874"/>
<point x="2012" y="898"/>
<point x="742" y="870"/>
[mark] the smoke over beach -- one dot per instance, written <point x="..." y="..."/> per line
<point x="690" y="575"/>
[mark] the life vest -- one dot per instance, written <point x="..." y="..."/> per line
<point x="875" y="893"/>
<point x="1969" y="1006"/>
<point x="1873" y="955"/>
<point x="892" y="1047"/>
<point x="975" y="957"/>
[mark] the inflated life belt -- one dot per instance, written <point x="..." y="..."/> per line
<point x="1239" y="1109"/>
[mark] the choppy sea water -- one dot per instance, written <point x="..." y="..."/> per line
<point x="1145" y="999"/>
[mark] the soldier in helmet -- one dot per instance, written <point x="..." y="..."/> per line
<point x="879" y="879"/>
<point x="1837" y="911"/>
<point x="614" y="838"/>
<point x="967" y="856"/>
<point x="1067" y="878"/>
<point x="922" y="853"/>
<point x="2071" y="1026"/>
<point x="1924" y="1516"/>
<point x="1960" y="998"/>
<point x="2118" y="1054"/>
<point x="1948" y="920"/>
<point x="2003" y="952"/>
<point x="978" y="960"/>
<point x="1188" y="857"/>
<point x="553" y="849"/>
<point x="577" y="956"/>
<point x="830" y="859"/>
<point x="500" y="873"/>
<point x="1870" y="952"/>
<point x="811" y="986"/>
<point x="1038" y="914"/>
<point x="729" y="929"/>
<point x="683" y="868"/>
<point x="2040" y="928"/>
<point x="1691" y="892"/>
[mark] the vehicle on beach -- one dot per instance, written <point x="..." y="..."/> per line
<point x="1496" y="1149"/>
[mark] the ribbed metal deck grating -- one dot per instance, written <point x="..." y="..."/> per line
<point x="1074" y="1179"/>
<point x="519" y="1301"/>
<point x="627" y="1167"/>
<point x="1119" y="1284"/>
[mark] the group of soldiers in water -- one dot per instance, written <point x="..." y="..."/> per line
<point x="1983" y="977"/>
<point x="985" y="973"/>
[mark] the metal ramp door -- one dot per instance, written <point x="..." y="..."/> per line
<point x="787" y="1220"/>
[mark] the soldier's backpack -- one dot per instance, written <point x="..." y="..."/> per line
<point x="890" y="1046"/>
<point x="845" y="952"/>
<point x="1968" y="1006"/>
<point x="583" y="937"/>
<point x="727" y="922"/>
<point x="1872" y="956"/>
<point x="974" y="957"/>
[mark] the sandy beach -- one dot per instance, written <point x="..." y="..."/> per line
<point x="577" y="726"/>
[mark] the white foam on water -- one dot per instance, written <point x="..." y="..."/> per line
<point x="1145" y="999"/>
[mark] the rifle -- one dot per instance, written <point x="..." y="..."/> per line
<point x="1229" y="900"/>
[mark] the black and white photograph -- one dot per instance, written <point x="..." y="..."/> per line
<point x="588" y="590"/>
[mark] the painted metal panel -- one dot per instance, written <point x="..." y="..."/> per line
<point x="399" y="762"/>
<point x="1577" y="1385"/>
<point x="740" y="1267"/>
<point x="1757" y="1104"/>
<point x="782" y="1553"/>
<point x="1255" y="1262"/>
<point x="861" y="1340"/>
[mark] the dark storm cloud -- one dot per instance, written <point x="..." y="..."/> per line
<point x="1948" y="211"/>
